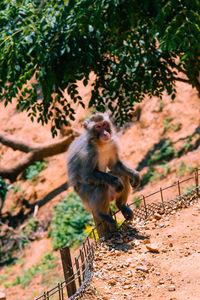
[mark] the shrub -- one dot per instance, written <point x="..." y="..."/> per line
<point x="33" y="171"/>
<point x="69" y="222"/>
<point x="166" y="152"/>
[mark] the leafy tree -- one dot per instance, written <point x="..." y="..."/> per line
<point x="135" y="48"/>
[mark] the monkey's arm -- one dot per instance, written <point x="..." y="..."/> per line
<point x="98" y="177"/>
<point x="122" y="168"/>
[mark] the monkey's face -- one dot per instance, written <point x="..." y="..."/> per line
<point x="103" y="131"/>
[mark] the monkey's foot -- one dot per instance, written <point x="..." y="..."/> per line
<point x="127" y="212"/>
<point x="113" y="227"/>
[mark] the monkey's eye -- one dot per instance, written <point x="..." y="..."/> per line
<point x="105" y="124"/>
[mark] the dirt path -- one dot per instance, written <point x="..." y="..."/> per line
<point x="171" y="272"/>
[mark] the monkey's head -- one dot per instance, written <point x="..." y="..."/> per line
<point x="99" y="127"/>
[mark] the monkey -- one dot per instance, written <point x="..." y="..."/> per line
<point x="96" y="172"/>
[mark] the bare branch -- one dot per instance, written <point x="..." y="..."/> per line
<point x="182" y="79"/>
<point x="16" y="143"/>
<point x="34" y="152"/>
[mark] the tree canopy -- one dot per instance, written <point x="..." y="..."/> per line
<point x="135" y="48"/>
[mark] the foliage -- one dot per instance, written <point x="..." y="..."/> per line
<point x="187" y="145"/>
<point x="16" y="188"/>
<point x="137" y="201"/>
<point x="185" y="169"/>
<point x="69" y="222"/>
<point x="32" y="172"/>
<point x="113" y="207"/>
<point x="165" y="153"/>
<point x="134" y="48"/>
<point x="3" y="192"/>
<point x="161" y="105"/>
<point x="168" y="125"/>
<point x="156" y="173"/>
<point x="24" y="279"/>
<point x="147" y="176"/>
<point x="31" y="226"/>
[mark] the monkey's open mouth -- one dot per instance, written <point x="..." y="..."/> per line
<point x="105" y="137"/>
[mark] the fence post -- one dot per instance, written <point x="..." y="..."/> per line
<point x="2" y="296"/>
<point x="179" y="188"/>
<point x="145" y="207"/>
<point x="78" y="270"/>
<point x="83" y="263"/>
<point x="197" y="181"/>
<point x="161" y="194"/>
<point x="68" y="270"/>
<point x="59" y="291"/>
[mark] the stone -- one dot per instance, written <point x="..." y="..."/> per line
<point x="171" y="288"/>
<point x="112" y="282"/>
<point x="146" y="241"/>
<point x="127" y="287"/>
<point x="161" y="225"/>
<point x="136" y="243"/>
<point x="157" y="216"/>
<point x="152" y="248"/>
<point x="143" y="269"/>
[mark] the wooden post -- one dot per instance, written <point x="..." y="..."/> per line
<point x="83" y="264"/>
<point x="161" y="194"/>
<point x="197" y="181"/>
<point x="2" y="296"/>
<point x="179" y="188"/>
<point x="68" y="271"/>
<point x="145" y="207"/>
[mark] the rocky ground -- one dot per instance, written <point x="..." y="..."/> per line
<point x="156" y="259"/>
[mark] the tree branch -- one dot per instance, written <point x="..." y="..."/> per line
<point x="34" y="152"/>
<point x="182" y="79"/>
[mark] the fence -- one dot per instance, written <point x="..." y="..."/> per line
<point x="78" y="274"/>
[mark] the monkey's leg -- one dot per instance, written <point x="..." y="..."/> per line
<point x="121" y="199"/>
<point x="100" y="206"/>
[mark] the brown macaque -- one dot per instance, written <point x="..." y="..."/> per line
<point x="96" y="171"/>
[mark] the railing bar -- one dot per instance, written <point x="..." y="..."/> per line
<point x="83" y="263"/>
<point x="95" y="240"/>
<point x="62" y="287"/>
<point x="85" y="252"/>
<point x="78" y="271"/>
<point x="197" y="182"/>
<point x="59" y="291"/>
<point x="179" y="189"/>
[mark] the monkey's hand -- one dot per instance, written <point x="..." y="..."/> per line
<point x="117" y="184"/>
<point x="135" y="180"/>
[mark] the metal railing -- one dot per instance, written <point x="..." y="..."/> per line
<point x="79" y="273"/>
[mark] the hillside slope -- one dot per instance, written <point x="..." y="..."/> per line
<point x="173" y="128"/>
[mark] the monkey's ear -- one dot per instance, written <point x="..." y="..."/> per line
<point x="85" y="124"/>
<point x="106" y="116"/>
